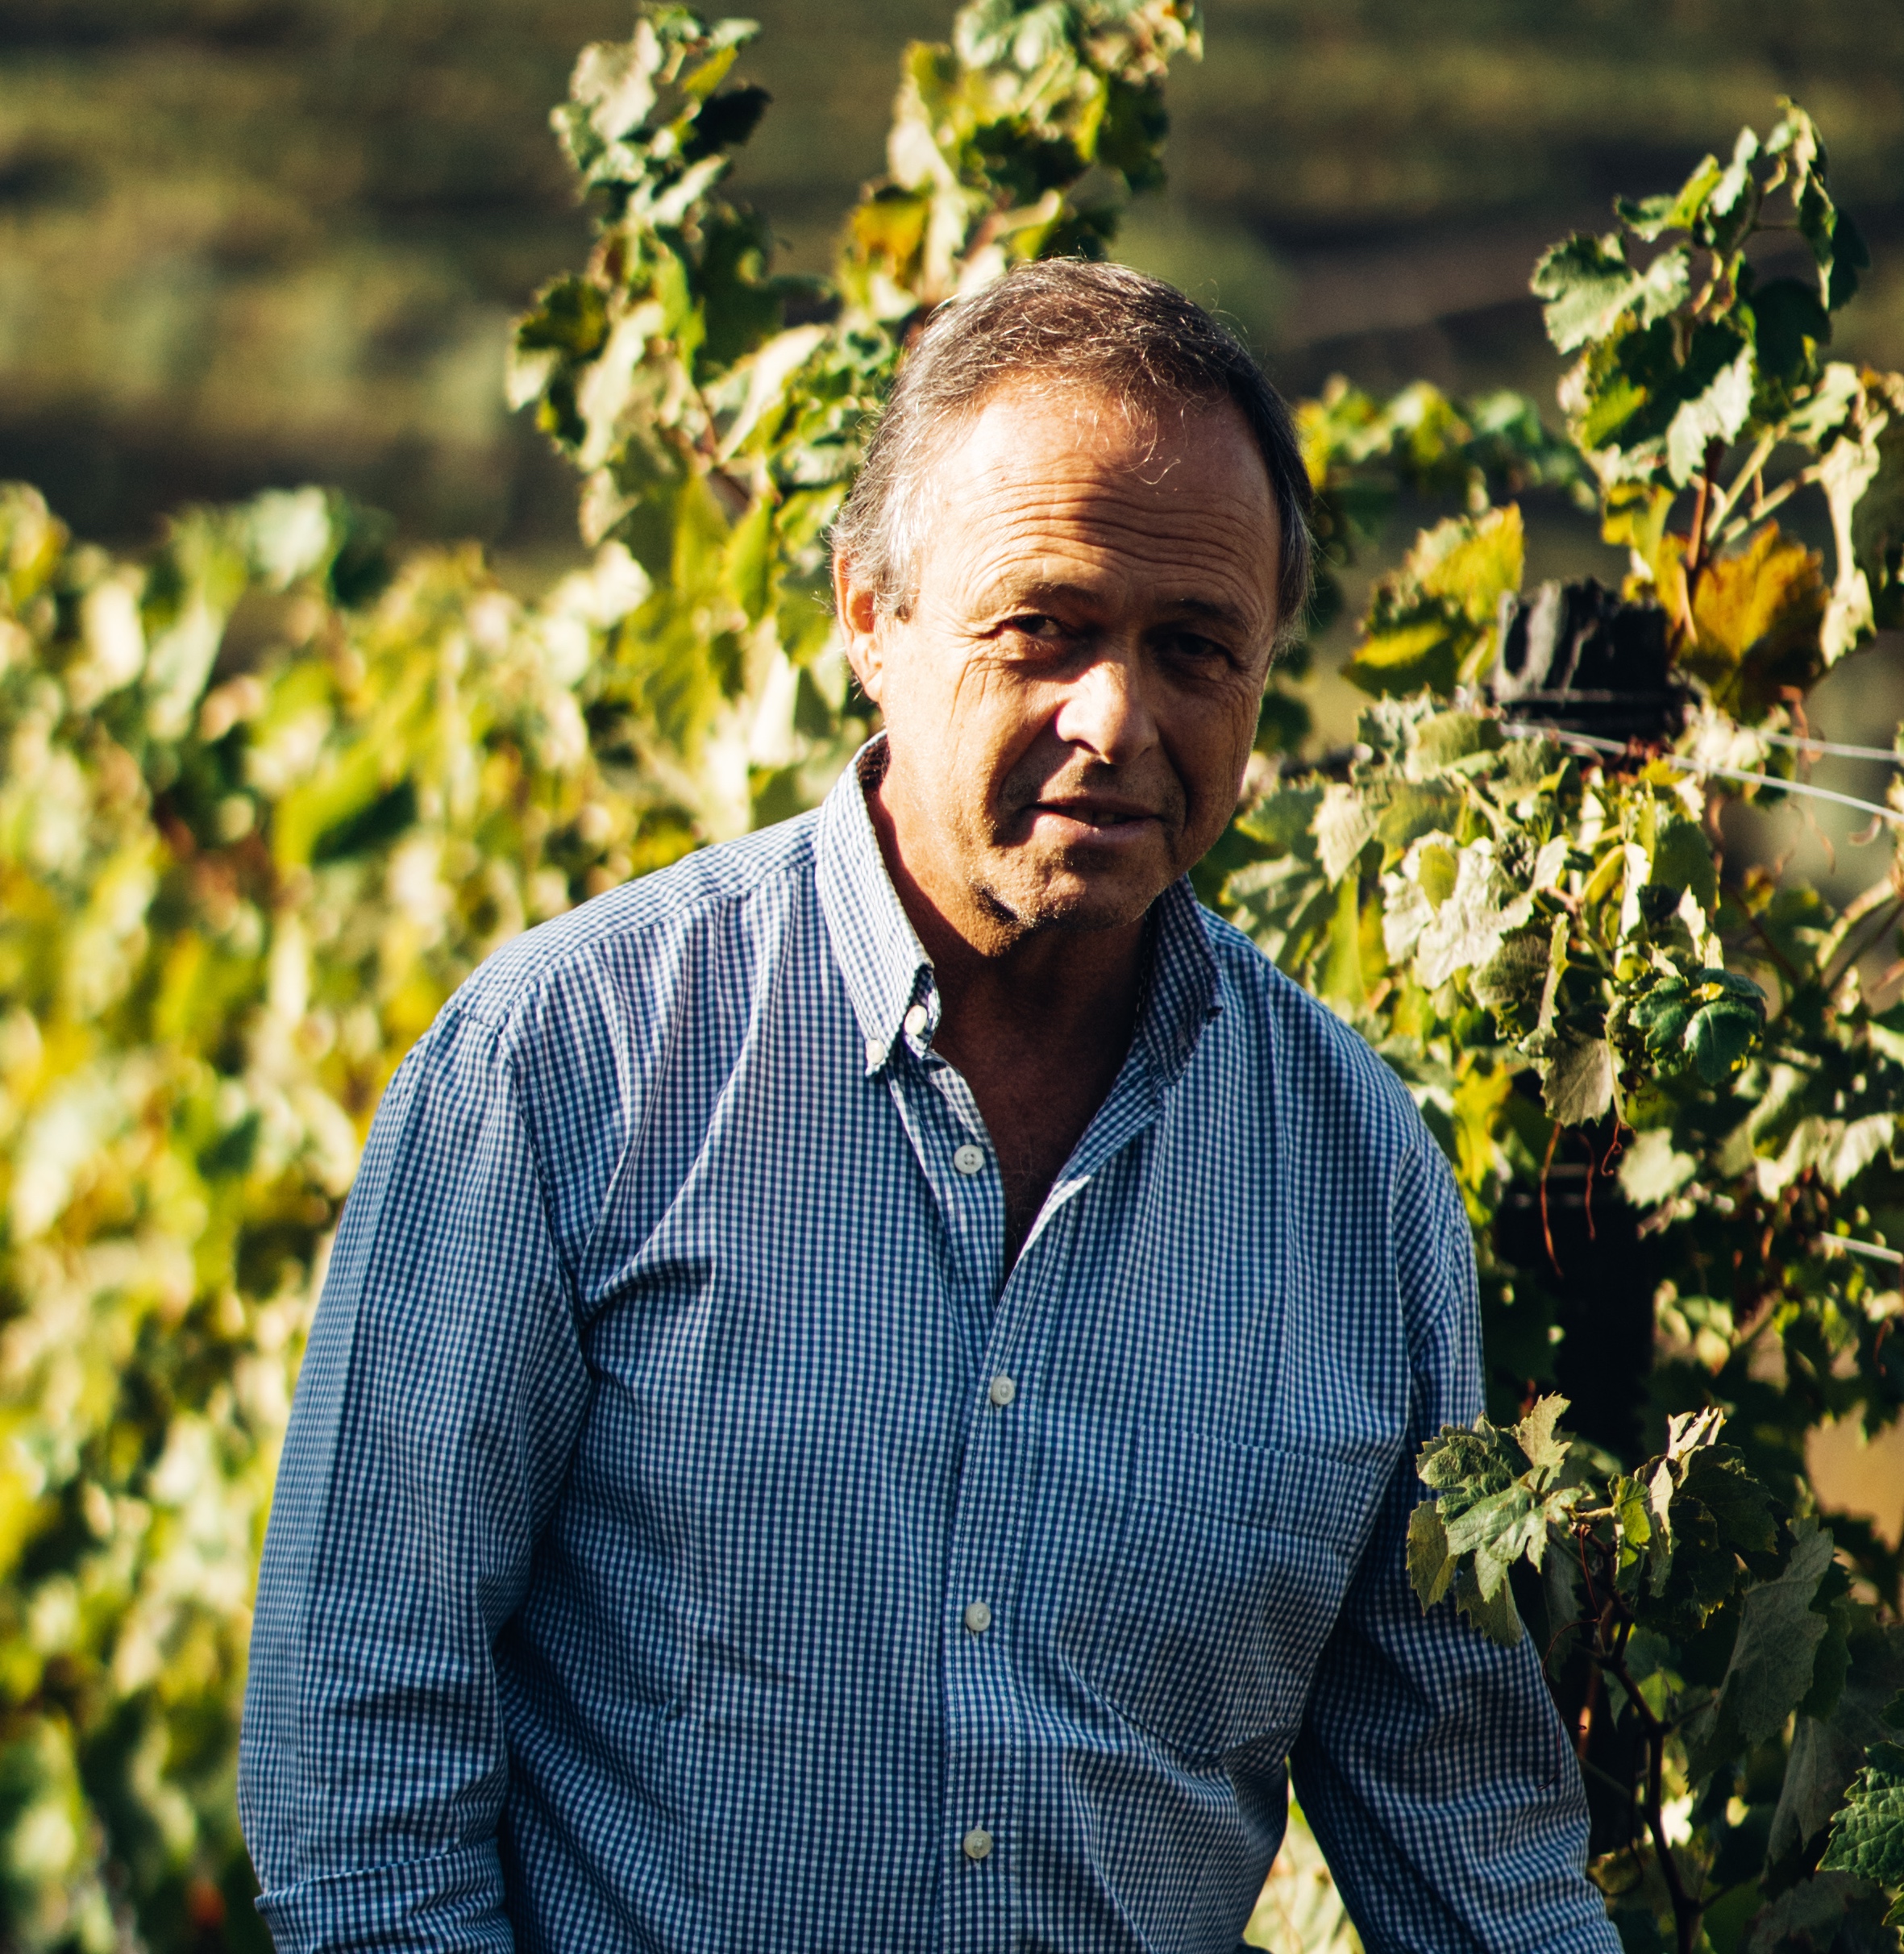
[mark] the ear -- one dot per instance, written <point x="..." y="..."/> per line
<point x="856" y="606"/>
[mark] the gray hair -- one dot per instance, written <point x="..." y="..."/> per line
<point x="1101" y="328"/>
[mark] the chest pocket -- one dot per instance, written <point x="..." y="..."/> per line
<point x="1229" y="1576"/>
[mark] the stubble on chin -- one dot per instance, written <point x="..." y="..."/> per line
<point x="1060" y="899"/>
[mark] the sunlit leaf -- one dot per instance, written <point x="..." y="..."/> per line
<point x="1758" y="615"/>
<point x="1868" y="1833"/>
<point x="1577" y="1086"/>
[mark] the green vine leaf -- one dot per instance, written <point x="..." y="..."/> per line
<point x="1589" y="286"/>
<point x="1866" y="1836"/>
<point x="1498" y="1494"/>
<point x="1578" y="1082"/>
<point x="1432" y="621"/>
<point x="1769" y="1673"/>
<point x="1828" y="1748"/>
<point x="1431" y="1562"/>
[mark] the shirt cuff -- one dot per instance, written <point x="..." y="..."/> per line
<point x="448" y="1903"/>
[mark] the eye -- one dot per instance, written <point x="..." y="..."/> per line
<point x="1194" y="649"/>
<point x="1035" y="624"/>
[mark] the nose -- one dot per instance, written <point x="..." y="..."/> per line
<point x="1104" y="710"/>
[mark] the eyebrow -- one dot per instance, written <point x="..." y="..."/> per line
<point x="1208" y="607"/>
<point x="1031" y="595"/>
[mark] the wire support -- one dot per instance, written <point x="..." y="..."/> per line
<point x="1835" y="749"/>
<point x="1843" y="1244"/>
<point x="1595" y="743"/>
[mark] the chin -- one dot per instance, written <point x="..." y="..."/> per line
<point x="1067" y="903"/>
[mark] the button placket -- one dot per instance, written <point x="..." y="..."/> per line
<point x="986" y="1731"/>
<point x="943" y="1122"/>
<point x="984" y="1764"/>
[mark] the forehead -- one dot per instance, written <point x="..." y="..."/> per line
<point x="1044" y="482"/>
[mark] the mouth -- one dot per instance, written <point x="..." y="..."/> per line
<point x="1110" y="818"/>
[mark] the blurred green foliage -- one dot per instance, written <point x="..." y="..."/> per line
<point x="274" y="788"/>
<point x="267" y="799"/>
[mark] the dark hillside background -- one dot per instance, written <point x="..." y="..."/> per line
<point x="250" y="241"/>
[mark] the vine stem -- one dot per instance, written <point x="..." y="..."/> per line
<point x="1723" y="501"/>
<point x="1765" y="936"/>
<point x="1845" y="929"/>
<point x="1583" y="1728"/>
<point x="1836" y="974"/>
<point x="1696" y="552"/>
<point x="1763" y="504"/>
<point x="1687" y="1911"/>
<point x="1553" y="1140"/>
<point x="1696" y="538"/>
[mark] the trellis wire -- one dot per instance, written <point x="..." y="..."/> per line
<point x="1836" y="749"/>
<point x="1843" y="1244"/>
<point x="1599" y="744"/>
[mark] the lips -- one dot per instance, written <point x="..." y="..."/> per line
<point x="1096" y="813"/>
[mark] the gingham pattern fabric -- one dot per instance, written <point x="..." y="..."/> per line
<point x="666" y="1421"/>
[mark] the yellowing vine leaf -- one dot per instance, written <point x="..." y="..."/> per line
<point x="1756" y="616"/>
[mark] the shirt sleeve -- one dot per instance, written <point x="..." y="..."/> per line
<point x="439" y="1400"/>
<point x="1432" y="1764"/>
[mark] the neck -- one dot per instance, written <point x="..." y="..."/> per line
<point x="1036" y="1020"/>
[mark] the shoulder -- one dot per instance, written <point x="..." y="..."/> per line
<point x="1323" y="1068"/>
<point x="636" y="934"/>
<point x="1356" y="1131"/>
<point x="575" y="1024"/>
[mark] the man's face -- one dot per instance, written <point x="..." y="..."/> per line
<point x="1071" y="702"/>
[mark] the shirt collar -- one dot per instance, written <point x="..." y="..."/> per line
<point x="1182" y="989"/>
<point x="887" y="971"/>
<point x="879" y="955"/>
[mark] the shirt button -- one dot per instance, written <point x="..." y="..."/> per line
<point x="969" y="1159"/>
<point x="977" y="1616"/>
<point x="916" y="1020"/>
<point x="977" y="1843"/>
<point x="875" y="1052"/>
<point x="1003" y="1391"/>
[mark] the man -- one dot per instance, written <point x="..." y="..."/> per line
<point x="867" y="1395"/>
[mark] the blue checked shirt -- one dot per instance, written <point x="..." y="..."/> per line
<point x="690" y="1539"/>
